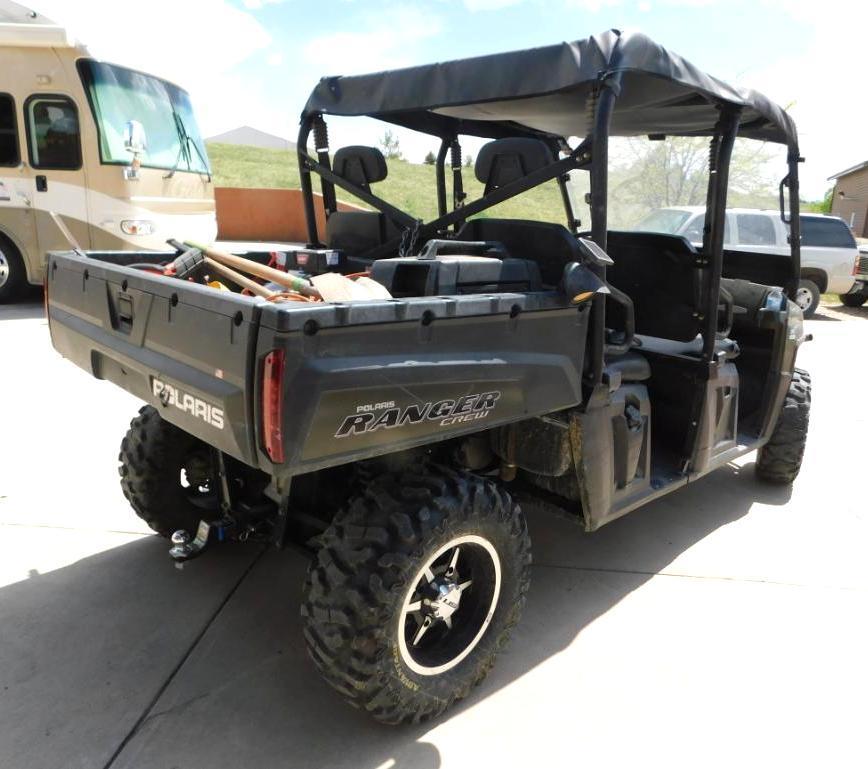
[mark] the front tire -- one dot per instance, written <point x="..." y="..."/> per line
<point x="808" y="297"/>
<point x="853" y="300"/>
<point x="166" y="475"/>
<point x="414" y="590"/>
<point x="780" y="460"/>
<point x="13" y="277"/>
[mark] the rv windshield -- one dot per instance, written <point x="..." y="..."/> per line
<point x="118" y="95"/>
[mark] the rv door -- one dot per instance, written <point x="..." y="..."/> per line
<point x="16" y="215"/>
<point x="58" y="183"/>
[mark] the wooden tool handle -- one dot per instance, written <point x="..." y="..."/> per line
<point x="255" y="268"/>
<point x="237" y="277"/>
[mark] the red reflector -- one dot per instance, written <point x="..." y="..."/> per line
<point x="272" y="404"/>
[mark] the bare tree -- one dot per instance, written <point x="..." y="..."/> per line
<point x="674" y="172"/>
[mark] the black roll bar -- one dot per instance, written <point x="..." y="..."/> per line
<point x="604" y="104"/>
<point x="793" y="160"/>
<point x="715" y="226"/>
<point x="441" y="176"/>
<point x="306" y="183"/>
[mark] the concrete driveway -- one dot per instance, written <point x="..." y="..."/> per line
<point x="723" y="626"/>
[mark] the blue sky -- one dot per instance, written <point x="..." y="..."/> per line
<point x="254" y="61"/>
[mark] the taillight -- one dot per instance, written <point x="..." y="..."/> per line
<point x="272" y="404"/>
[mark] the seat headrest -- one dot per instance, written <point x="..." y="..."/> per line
<point x="506" y="160"/>
<point x="360" y="165"/>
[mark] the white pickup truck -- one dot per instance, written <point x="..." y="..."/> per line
<point x="829" y="254"/>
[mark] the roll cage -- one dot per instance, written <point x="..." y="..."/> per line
<point x="598" y="93"/>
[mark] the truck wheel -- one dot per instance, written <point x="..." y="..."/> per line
<point x="12" y="275"/>
<point x="415" y="589"/>
<point x="166" y="475"/>
<point x="808" y="296"/>
<point x="780" y="459"/>
<point x="853" y="300"/>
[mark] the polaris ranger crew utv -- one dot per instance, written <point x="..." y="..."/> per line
<point x="516" y="359"/>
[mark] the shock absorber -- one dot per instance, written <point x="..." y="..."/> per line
<point x="321" y="142"/>
<point x="458" y="194"/>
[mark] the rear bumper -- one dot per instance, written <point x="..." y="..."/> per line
<point x="840" y="285"/>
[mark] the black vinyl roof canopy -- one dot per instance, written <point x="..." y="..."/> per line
<point x="545" y="91"/>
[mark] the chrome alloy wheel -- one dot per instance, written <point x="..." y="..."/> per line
<point x="804" y="298"/>
<point x="449" y="605"/>
<point x="4" y="269"/>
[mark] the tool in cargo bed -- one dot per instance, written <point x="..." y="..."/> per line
<point x="291" y="282"/>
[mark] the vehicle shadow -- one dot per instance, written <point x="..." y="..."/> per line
<point x="833" y="311"/>
<point x="26" y="310"/>
<point x="247" y="688"/>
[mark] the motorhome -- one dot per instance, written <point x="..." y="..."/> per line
<point x="92" y="154"/>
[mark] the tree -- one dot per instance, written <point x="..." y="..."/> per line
<point x="674" y="172"/>
<point x="430" y="160"/>
<point x="391" y="146"/>
<point x="468" y="161"/>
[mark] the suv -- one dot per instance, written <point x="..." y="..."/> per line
<point x="516" y="364"/>
<point x="829" y="254"/>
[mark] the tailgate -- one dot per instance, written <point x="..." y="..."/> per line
<point x="185" y="349"/>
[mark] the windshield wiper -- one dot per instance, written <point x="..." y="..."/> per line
<point x="185" y="141"/>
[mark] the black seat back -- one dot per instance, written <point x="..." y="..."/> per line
<point x="358" y="231"/>
<point x="659" y="273"/>
<point x="503" y="161"/>
<point x="360" y="165"/>
<point x="551" y="246"/>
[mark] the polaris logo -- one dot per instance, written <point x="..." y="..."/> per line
<point x="446" y="413"/>
<point x="170" y="395"/>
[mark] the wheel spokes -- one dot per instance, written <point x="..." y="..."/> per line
<point x="414" y="606"/>
<point x="426" y="623"/>
<point x="453" y="562"/>
<point x="462" y="586"/>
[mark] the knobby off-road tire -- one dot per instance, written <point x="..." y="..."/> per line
<point x="853" y="300"/>
<point x="153" y="455"/>
<point x="780" y="460"/>
<point x="365" y="580"/>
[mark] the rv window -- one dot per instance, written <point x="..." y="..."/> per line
<point x="52" y="133"/>
<point x="8" y="132"/>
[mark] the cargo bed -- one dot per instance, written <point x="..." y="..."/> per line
<point x="356" y="379"/>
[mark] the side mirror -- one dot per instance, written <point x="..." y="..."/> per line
<point x="134" y="137"/>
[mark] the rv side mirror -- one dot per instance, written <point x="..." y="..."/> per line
<point x="134" y="137"/>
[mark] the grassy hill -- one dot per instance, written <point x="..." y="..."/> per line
<point x="409" y="186"/>
<point x="412" y="187"/>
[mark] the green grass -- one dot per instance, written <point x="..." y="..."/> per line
<point x="409" y="186"/>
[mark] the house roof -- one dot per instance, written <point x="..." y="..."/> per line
<point x="546" y="92"/>
<point x="850" y="170"/>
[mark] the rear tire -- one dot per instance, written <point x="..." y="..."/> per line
<point x="165" y="475"/>
<point x="383" y="571"/>
<point x="808" y="297"/>
<point x="13" y="276"/>
<point x="780" y="460"/>
<point x="853" y="300"/>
